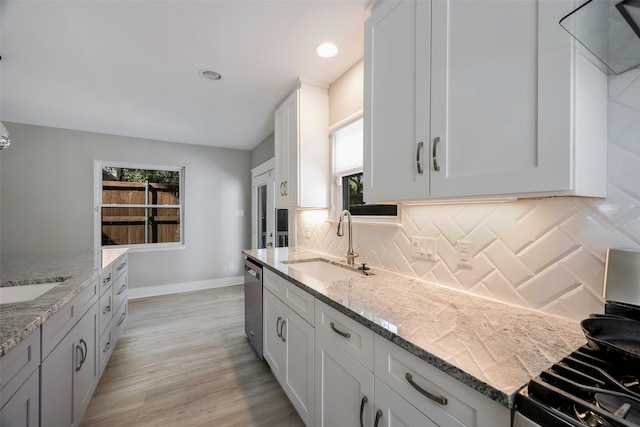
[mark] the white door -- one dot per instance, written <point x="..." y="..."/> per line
<point x="396" y="102"/>
<point x="500" y="104"/>
<point x="298" y="336"/>
<point x="263" y="220"/>
<point x="344" y="388"/>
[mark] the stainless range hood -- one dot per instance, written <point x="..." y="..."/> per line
<point x="610" y="29"/>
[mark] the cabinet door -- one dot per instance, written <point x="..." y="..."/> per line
<point x="396" y="102"/>
<point x="393" y="411"/>
<point x="286" y="138"/>
<point x="273" y="346"/>
<point x="298" y="383"/>
<point x="501" y="98"/>
<point x="22" y="408"/>
<point x="344" y="388"/>
<point x="56" y="392"/>
<point x="87" y="369"/>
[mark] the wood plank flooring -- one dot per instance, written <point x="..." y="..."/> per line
<point x="183" y="360"/>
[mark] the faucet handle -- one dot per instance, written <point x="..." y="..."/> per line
<point x="364" y="267"/>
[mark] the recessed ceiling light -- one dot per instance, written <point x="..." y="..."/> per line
<point x="327" y="50"/>
<point x="210" y="75"/>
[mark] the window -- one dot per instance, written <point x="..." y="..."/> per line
<point x="139" y="205"/>
<point x="348" y="176"/>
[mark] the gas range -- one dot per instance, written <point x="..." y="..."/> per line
<point x="589" y="387"/>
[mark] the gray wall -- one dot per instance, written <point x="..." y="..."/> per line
<point x="47" y="196"/>
<point x="263" y="151"/>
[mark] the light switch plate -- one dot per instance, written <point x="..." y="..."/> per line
<point x="423" y="247"/>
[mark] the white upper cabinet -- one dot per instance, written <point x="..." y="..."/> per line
<point x="302" y="148"/>
<point x="480" y="99"/>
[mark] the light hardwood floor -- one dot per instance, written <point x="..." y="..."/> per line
<point x="183" y="360"/>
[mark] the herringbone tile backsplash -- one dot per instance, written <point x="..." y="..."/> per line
<point x="542" y="254"/>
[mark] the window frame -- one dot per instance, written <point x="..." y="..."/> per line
<point x="98" y="205"/>
<point x="337" y="177"/>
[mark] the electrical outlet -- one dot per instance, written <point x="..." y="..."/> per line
<point x="423" y="247"/>
<point x="463" y="249"/>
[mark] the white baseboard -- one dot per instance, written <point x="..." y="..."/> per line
<point x="151" y="291"/>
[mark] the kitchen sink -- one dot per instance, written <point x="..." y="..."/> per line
<point x="324" y="270"/>
<point x="10" y="294"/>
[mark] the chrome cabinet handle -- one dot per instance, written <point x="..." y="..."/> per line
<point x="278" y="327"/>
<point x="106" y="347"/>
<point x="338" y="331"/>
<point x="82" y="346"/>
<point x="286" y="188"/>
<point x="106" y="310"/>
<point x="107" y="279"/>
<point x="418" y="160"/>
<point x="284" y="339"/>
<point x="122" y="289"/>
<point x="79" y="359"/>
<point x="121" y="319"/>
<point x="436" y="166"/>
<point x="378" y="416"/>
<point x="438" y="399"/>
<point x="364" y="402"/>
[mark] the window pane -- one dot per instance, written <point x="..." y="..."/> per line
<point x="353" y="198"/>
<point x="128" y="186"/>
<point x="133" y="226"/>
<point x="348" y="147"/>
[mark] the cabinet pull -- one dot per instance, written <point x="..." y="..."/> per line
<point x="338" y="331"/>
<point x="278" y="327"/>
<point x="106" y="347"/>
<point x="78" y="359"/>
<point x="121" y="290"/>
<point x="121" y="319"/>
<point x="121" y="266"/>
<point x="418" y="160"/>
<point x="286" y="188"/>
<point x="378" y="416"/>
<point x="106" y="279"/>
<point x="284" y="339"/>
<point x="436" y="166"/>
<point x="364" y="402"/>
<point x="438" y="399"/>
<point x="106" y="309"/>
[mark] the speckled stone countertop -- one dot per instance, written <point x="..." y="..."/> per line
<point x="492" y="347"/>
<point x="75" y="271"/>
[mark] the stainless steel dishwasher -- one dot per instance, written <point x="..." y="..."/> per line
<point x="253" y="304"/>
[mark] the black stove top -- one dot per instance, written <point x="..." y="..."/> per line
<point x="587" y="387"/>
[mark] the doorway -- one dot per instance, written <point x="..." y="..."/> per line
<point x="269" y="226"/>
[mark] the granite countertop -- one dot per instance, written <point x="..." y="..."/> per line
<point x="492" y="347"/>
<point x="74" y="270"/>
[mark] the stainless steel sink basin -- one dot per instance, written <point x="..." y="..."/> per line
<point x="10" y="294"/>
<point x="324" y="270"/>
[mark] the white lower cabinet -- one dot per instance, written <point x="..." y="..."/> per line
<point x="288" y="349"/>
<point x="344" y="388"/>
<point x="70" y="374"/>
<point x="22" y="408"/>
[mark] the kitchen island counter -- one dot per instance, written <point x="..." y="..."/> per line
<point x="490" y="346"/>
<point x="74" y="270"/>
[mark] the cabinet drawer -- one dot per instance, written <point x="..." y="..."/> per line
<point x="464" y="406"/>
<point x="120" y="266"/>
<point x="119" y="290"/>
<point x="88" y="296"/>
<point x="106" y="310"/>
<point x="106" y="279"/>
<point x="301" y="302"/>
<point x="18" y="364"/>
<point x="55" y="328"/>
<point x="355" y="339"/>
<point x="105" y="348"/>
<point x="119" y="319"/>
<point x="276" y="284"/>
<point x="23" y="408"/>
<point x="392" y="366"/>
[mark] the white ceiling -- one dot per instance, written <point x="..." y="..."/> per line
<point x="131" y="67"/>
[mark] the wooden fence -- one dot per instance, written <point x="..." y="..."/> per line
<point x="127" y="226"/>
